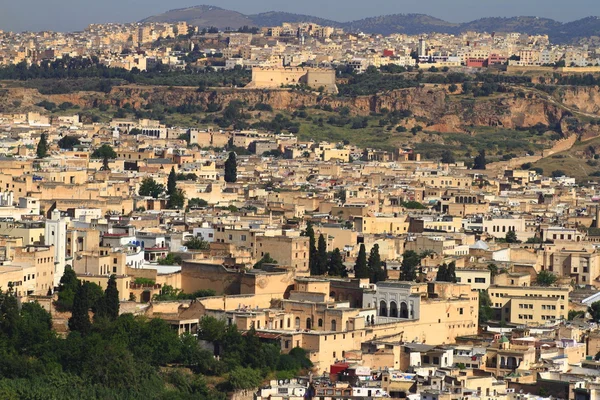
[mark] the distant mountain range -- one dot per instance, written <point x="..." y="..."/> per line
<point x="206" y="16"/>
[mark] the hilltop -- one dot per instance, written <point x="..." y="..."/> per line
<point x="412" y="24"/>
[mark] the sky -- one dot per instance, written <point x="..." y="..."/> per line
<point x="71" y="15"/>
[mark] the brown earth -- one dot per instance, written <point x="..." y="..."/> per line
<point x="442" y="112"/>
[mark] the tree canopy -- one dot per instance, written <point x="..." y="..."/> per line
<point x="150" y="187"/>
<point x="104" y="151"/>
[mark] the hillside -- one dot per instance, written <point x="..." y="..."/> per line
<point x="204" y="16"/>
<point x="412" y="24"/>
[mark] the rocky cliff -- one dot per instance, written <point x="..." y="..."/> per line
<point x="438" y="110"/>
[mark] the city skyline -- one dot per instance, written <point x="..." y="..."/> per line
<point x="52" y="15"/>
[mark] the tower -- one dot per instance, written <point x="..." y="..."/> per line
<point x="55" y="233"/>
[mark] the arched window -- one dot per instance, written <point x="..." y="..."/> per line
<point x="308" y="323"/>
<point x="320" y="322"/>
<point x="403" y="310"/>
<point x="393" y="309"/>
<point x="297" y="324"/>
<point x="383" y="309"/>
<point x="333" y="325"/>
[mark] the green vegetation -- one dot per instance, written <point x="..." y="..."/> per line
<point x="361" y="269"/>
<point x="486" y="312"/>
<point x="375" y="265"/>
<point x="231" y="168"/>
<point x="594" y="310"/>
<point x="446" y="273"/>
<point x="104" y="151"/>
<point x="545" y="278"/>
<point x="67" y="142"/>
<point x="170" y="259"/>
<point x="42" y="147"/>
<point x="408" y="269"/>
<point x="266" y="259"/>
<point x="127" y="357"/>
<point x="196" y="243"/>
<point x="168" y="293"/>
<point x="69" y="75"/>
<point x="150" y="187"/>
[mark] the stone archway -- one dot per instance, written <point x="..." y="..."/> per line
<point x="393" y="309"/>
<point x="403" y="310"/>
<point x="383" y="309"/>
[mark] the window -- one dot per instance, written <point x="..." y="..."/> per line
<point x="479" y="280"/>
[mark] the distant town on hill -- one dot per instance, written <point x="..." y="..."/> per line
<point x="411" y="24"/>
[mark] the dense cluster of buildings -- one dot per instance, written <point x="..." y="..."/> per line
<point x="142" y="46"/>
<point x="423" y="339"/>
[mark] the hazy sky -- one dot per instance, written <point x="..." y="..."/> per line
<point x="69" y="15"/>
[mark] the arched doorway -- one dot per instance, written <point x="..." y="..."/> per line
<point x="403" y="310"/>
<point x="308" y="323"/>
<point x="383" y="309"/>
<point x="297" y="323"/>
<point x="333" y="325"/>
<point x="320" y="322"/>
<point x="393" y="309"/>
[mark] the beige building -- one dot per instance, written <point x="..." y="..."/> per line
<point x="534" y="305"/>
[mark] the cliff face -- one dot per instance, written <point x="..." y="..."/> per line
<point x="585" y="99"/>
<point x="441" y="111"/>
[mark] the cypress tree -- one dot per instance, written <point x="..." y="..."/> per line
<point x="80" y="319"/>
<point x="376" y="272"/>
<point x="408" y="269"/>
<point x="442" y="273"/>
<point x="42" y="147"/>
<point x="361" y="269"/>
<point x="231" y="168"/>
<point x="172" y="182"/>
<point x="452" y="272"/>
<point x="321" y="263"/>
<point x="336" y="264"/>
<point x="111" y="298"/>
<point x="312" y="248"/>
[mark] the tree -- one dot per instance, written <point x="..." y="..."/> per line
<point x="442" y="273"/>
<point x="172" y="182"/>
<point x="80" y="319"/>
<point x="594" y="310"/>
<point x="244" y="378"/>
<point x="321" y="263"/>
<point x="231" y="168"/>
<point x="452" y="88"/>
<point x="448" y="157"/>
<point x="480" y="162"/>
<point x="493" y="269"/>
<point x="452" y="272"/>
<point x="558" y="173"/>
<point x="197" y="203"/>
<point x="511" y="237"/>
<point x="196" y="243"/>
<point x="376" y="271"/>
<point x="105" y="166"/>
<point x="150" y="187"/>
<point x="408" y="268"/>
<point x="336" y="264"/>
<point x="361" y="269"/>
<point x="67" y="142"/>
<point x="66" y="290"/>
<point x="486" y="312"/>
<point x="266" y="259"/>
<point x="104" y="151"/>
<point x="111" y="298"/>
<point x="312" y="248"/>
<point x="545" y="278"/>
<point x="176" y="200"/>
<point x="42" y="147"/>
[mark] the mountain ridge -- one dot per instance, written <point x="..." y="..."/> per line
<point x="206" y="16"/>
